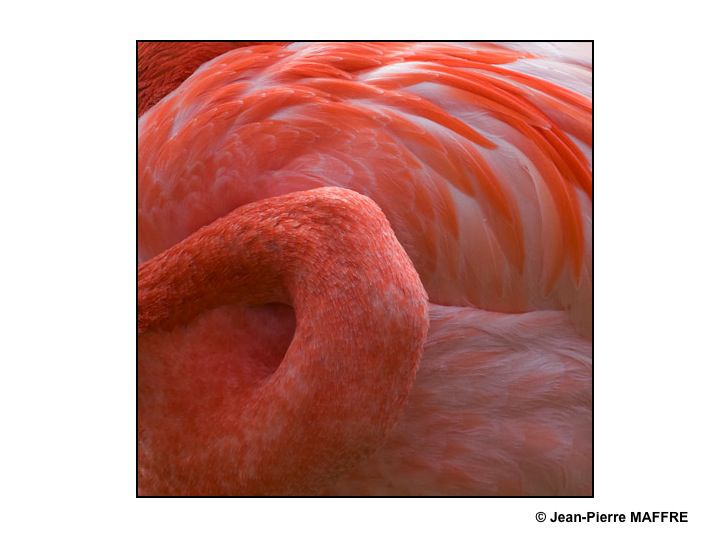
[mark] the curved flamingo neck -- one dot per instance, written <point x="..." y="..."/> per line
<point x="362" y="320"/>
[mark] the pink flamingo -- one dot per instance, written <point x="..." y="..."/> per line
<point x="295" y="203"/>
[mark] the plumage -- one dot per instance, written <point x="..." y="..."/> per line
<point x="479" y="156"/>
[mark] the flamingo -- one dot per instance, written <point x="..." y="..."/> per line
<point x="365" y="269"/>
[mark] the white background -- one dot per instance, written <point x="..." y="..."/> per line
<point x="67" y="219"/>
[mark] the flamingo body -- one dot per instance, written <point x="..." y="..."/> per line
<point x="479" y="157"/>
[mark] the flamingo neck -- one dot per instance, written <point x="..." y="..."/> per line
<point x="164" y="65"/>
<point x="362" y="320"/>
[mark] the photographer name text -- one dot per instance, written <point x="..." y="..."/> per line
<point x="634" y="517"/>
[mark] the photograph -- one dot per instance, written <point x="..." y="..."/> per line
<point x="365" y="268"/>
<point x="340" y="271"/>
